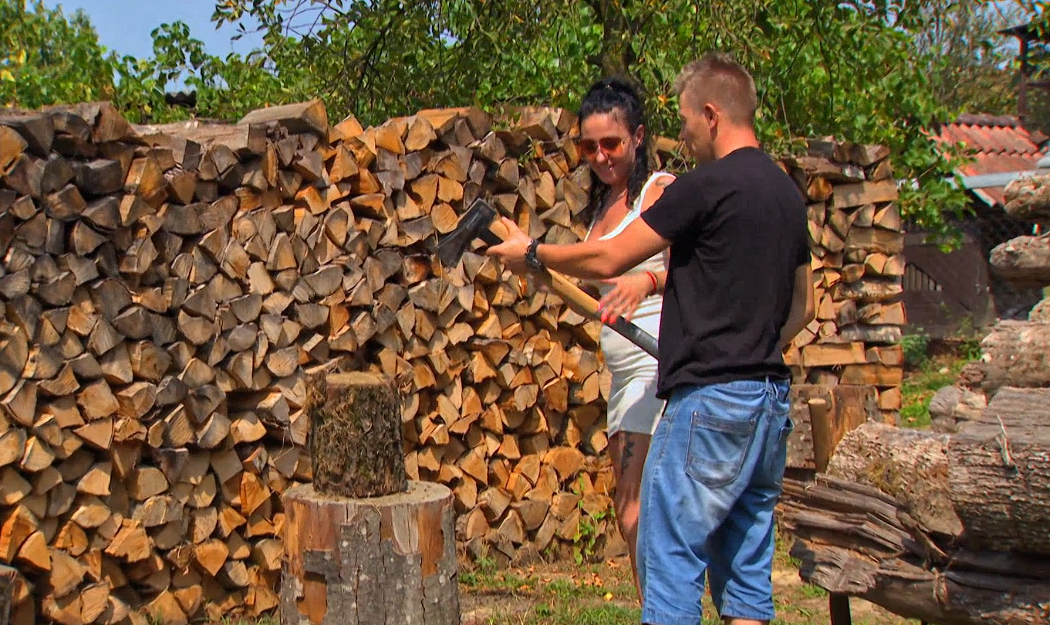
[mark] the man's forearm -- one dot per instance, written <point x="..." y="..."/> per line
<point x="796" y="321"/>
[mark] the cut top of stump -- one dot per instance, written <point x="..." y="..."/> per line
<point x="355" y="435"/>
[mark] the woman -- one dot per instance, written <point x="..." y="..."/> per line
<point x="614" y="143"/>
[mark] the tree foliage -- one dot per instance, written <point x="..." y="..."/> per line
<point x="48" y="57"/>
<point x="869" y="71"/>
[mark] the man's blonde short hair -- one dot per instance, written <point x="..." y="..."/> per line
<point x="719" y="79"/>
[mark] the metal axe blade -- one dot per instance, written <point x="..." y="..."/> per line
<point x="473" y="224"/>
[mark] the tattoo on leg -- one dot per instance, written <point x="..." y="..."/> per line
<point x="627" y="453"/>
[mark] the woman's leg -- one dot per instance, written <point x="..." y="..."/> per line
<point x="628" y="450"/>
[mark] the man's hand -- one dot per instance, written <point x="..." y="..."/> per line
<point x="624" y="299"/>
<point x="512" y="250"/>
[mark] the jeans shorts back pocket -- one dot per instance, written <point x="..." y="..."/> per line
<point x="719" y="441"/>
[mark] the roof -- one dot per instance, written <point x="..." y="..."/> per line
<point x="1002" y="144"/>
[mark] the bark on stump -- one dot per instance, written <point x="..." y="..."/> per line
<point x="377" y="561"/>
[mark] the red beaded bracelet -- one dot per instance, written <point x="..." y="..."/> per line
<point x="656" y="284"/>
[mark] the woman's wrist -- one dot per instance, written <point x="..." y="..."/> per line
<point x="654" y="283"/>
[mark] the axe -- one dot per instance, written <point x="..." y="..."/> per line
<point x="480" y="222"/>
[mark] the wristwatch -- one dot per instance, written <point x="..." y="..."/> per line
<point x="531" y="260"/>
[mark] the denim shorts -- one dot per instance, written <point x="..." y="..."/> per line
<point x="712" y="478"/>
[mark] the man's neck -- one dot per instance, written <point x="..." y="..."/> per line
<point x="733" y="139"/>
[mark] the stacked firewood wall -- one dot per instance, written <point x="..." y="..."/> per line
<point x="165" y="291"/>
<point x="858" y="266"/>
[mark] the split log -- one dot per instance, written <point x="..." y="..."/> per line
<point x="385" y="559"/>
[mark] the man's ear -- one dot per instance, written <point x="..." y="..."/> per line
<point x="711" y="114"/>
<point x="639" y="133"/>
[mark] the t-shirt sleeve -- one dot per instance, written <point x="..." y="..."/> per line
<point x="677" y="211"/>
<point x="803" y="256"/>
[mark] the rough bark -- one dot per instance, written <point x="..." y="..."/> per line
<point x="985" y="488"/>
<point x="1029" y="198"/>
<point x="1023" y="261"/>
<point x="385" y="560"/>
<point x="1015" y="354"/>
<point x="855" y="540"/>
<point x="355" y="435"/>
<point x="7" y="589"/>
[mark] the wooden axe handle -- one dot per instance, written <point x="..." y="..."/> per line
<point x="581" y="302"/>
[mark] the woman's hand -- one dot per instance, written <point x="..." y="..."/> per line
<point x="623" y="300"/>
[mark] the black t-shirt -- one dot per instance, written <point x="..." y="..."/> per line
<point x="738" y="232"/>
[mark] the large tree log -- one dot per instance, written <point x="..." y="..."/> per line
<point x="1023" y="261"/>
<point x="985" y="488"/>
<point x="1015" y="354"/>
<point x="1029" y="198"/>
<point x="362" y="561"/>
<point x="355" y="435"/>
<point x="855" y="540"/>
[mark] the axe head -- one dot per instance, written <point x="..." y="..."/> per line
<point x="473" y="224"/>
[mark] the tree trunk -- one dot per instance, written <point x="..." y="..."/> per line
<point x="1023" y="261"/>
<point x="385" y="560"/>
<point x="355" y="435"/>
<point x="985" y="488"/>
<point x="1015" y="354"/>
<point x="853" y="539"/>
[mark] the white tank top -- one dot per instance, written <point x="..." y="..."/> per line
<point x="649" y="308"/>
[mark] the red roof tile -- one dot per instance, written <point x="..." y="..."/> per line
<point x="1002" y="145"/>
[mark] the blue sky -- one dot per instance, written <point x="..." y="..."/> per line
<point x="124" y="25"/>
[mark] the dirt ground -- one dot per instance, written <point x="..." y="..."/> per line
<point x="564" y="593"/>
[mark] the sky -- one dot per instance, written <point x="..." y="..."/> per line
<point x="124" y="26"/>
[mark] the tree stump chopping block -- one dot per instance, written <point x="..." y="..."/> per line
<point x="363" y="544"/>
<point x="377" y="561"/>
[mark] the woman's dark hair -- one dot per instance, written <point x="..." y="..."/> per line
<point x="616" y="95"/>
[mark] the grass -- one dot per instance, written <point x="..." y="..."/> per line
<point x="920" y="387"/>
<point x="926" y="374"/>
<point x="603" y="594"/>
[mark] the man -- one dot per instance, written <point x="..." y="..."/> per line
<point x="738" y="290"/>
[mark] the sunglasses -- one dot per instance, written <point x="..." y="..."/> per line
<point x="612" y="146"/>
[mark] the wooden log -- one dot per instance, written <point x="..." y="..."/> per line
<point x="355" y="435"/>
<point x="854" y="540"/>
<point x="297" y="118"/>
<point x="1013" y="355"/>
<point x="984" y="488"/>
<point x="1028" y="198"/>
<point x="1023" y="261"/>
<point x="385" y="559"/>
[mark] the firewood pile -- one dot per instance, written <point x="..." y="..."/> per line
<point x="949" y="525"/>
<point x="855" y="231"/>
<point x="165" y="292"/>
